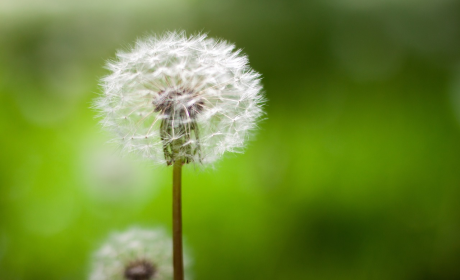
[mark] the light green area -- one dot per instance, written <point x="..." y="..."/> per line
<point x="354" y="174"/>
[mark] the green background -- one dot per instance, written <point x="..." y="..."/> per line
<point x="354" y="174"/>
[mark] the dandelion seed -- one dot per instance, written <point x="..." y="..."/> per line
<point x="177" y="96"/>
<point x="136" y="254"/>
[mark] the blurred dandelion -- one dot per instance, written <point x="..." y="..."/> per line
<point x="137" y="254"/>
<point x="175" y="100"/>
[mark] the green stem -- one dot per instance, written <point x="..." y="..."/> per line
<point x="178" y="263"/>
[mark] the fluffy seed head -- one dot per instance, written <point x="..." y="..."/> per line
<point x="136" y="254"/>
<point x="174" y="96"/>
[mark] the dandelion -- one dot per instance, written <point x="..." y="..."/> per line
<point x="193" y="98"/>
<point x="137" y="254"/>
<point x="176" y="100"/>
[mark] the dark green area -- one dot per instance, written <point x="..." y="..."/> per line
<point x="355" y="173"/>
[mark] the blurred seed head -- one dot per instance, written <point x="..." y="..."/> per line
<point x="174" y="96"/>
<point x="136" y="254"/>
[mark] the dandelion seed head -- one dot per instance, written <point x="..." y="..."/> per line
<point x="137" y="254"/>
<point x="177" y="96"/>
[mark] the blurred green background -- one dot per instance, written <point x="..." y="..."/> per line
<point x="355" y="173"/>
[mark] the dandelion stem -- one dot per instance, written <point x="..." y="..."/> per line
<point x="178" y="262"/>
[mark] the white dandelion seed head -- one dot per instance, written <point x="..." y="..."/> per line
<point x="177" y="96"/>
<point x="137" y="254"/>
